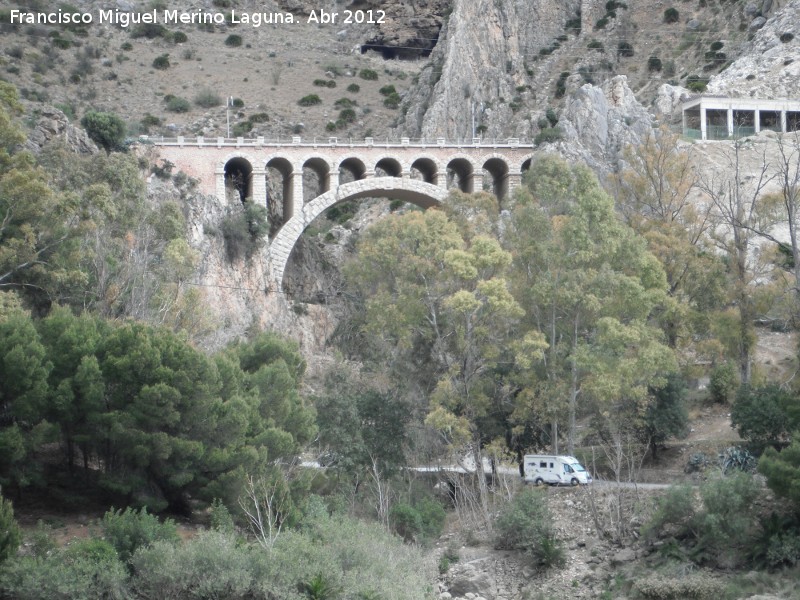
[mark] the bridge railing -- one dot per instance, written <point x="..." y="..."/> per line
<point x="332" y="142"/>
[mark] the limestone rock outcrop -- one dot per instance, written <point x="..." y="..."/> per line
<point x="480" y="65"/>
<point x="599" y="121"/>
<point x="770" y="67"/>
<point x="53" y="124"/>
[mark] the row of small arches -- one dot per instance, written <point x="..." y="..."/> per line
<point x="492" y="171"/>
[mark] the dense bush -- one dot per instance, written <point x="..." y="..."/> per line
<point x="548" y="135"/>
<point x="671" y="15"/>
<point x="233" y="40"/>
<point x="207" y="99"/>
<point x="697" y="84"/>
<point x="353" y="88"/>
<point x="328" y="83"/>
<point x="782" y="470"/>
<point x="106" y="129"/>
<point x="63" y="576"/>
<point x="759" y="414"/>
<point x="161" y="62"/>
<point x="243" y="230"/>
<point x="368" y="74"/>
<point x="654" y="64"/>
<point x="130" y="530"/>
<point x="723" y="382"/>
<point x="525" y="524"/>
<point x="625" y="49"/>
<point x="421" y="522"/>
<point x="309" y="100"/>
<point x="178" y="37"/>
<point x="716" y="531"/>
<point x="177" y="104"/>
<point x="10" y="536"/>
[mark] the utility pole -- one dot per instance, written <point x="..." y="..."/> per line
<point x="228" y="104"/>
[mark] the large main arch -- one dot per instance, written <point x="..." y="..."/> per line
<point x="417" y="192"/>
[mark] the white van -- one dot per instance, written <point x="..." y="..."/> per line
<point x="554" y="470"/>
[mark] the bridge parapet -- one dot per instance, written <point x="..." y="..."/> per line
<point x="333" y="142"/>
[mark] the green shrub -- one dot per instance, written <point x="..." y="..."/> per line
<point x="328" y="83"/>
<point x="149" y="31"/>
<point x="126" y="47"/>
<point x="242" y="128"/>
<point x="548" y="135"/>
<point x="129" y="530"/>
<point x="561" y="84"/>
<point x="309" y="100"/>
<point x="347" y="115"/>
<point x="10" y="535"/>
<point x="573" y="25"/>
<point x="601" y="23"/>
<point x="178" y="105"/>
<point x="674" y="513"/>
<point x="392" y="101"/>
<point x="61" y="43"/>
<point x="237" y="103"/>
<point x="207" y="99"/>
<point x="258" y="118"/>
<point x="233" y="40"/>
<point x="525" y="524"/>
<point x="759" y="414"/>
<point x="63" y="575"/>
<point x="724" y="378"/>
<point x="161" y="62"/>
<point x="595" y="45"/>
<point x="624" y="49"/>
<point x="106" y="129"/>
<point x="344" y="103"/>
<point x="178" y="37"/>
<point x="696" y="84"/>
<point x="654" y="64"/>
<point x="387" y="90"/>
<point x="211" y="566"/>
<point x="221" y="519"/>
<point x="353" y="88"/>
<point x="149" y="121"/>
<point x="368" y="74"/>
<point x="786" y="37"/>
<point x="671" y="15"/>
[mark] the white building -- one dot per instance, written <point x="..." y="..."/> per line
<point x="720" y="118"/>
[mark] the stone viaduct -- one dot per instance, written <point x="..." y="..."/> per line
<point x="313" y="176"/>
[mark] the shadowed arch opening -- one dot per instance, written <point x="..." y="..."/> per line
<point x="316" y="178"/>
<point x="388" y="167"/>
<point x="239" y="178"/>
<point x="426" y="170"/>
<point x="422" y="194"/>
<point x="497" y="169"/>
<point x="460" y="175"/>
<point x="280" y="193"/>
<point x="352" y="169"/>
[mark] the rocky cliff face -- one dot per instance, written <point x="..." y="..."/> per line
<point x="480" y="65"/>
<point x="770" y="65"/>
<point x="410" y="28"/>
<point x="599" y="121"/>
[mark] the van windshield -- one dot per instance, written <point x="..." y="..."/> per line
<point x="577" y="467"/>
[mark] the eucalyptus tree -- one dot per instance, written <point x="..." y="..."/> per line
<point x="588" y="283"/>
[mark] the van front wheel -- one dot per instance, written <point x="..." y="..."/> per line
<point x="538" y="482"/>
<point x="573" y="482"/>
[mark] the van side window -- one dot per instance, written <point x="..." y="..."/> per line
<point x="551" y="465"/>
<point x="542" y="465"/>
<point x="567" y="469"/>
